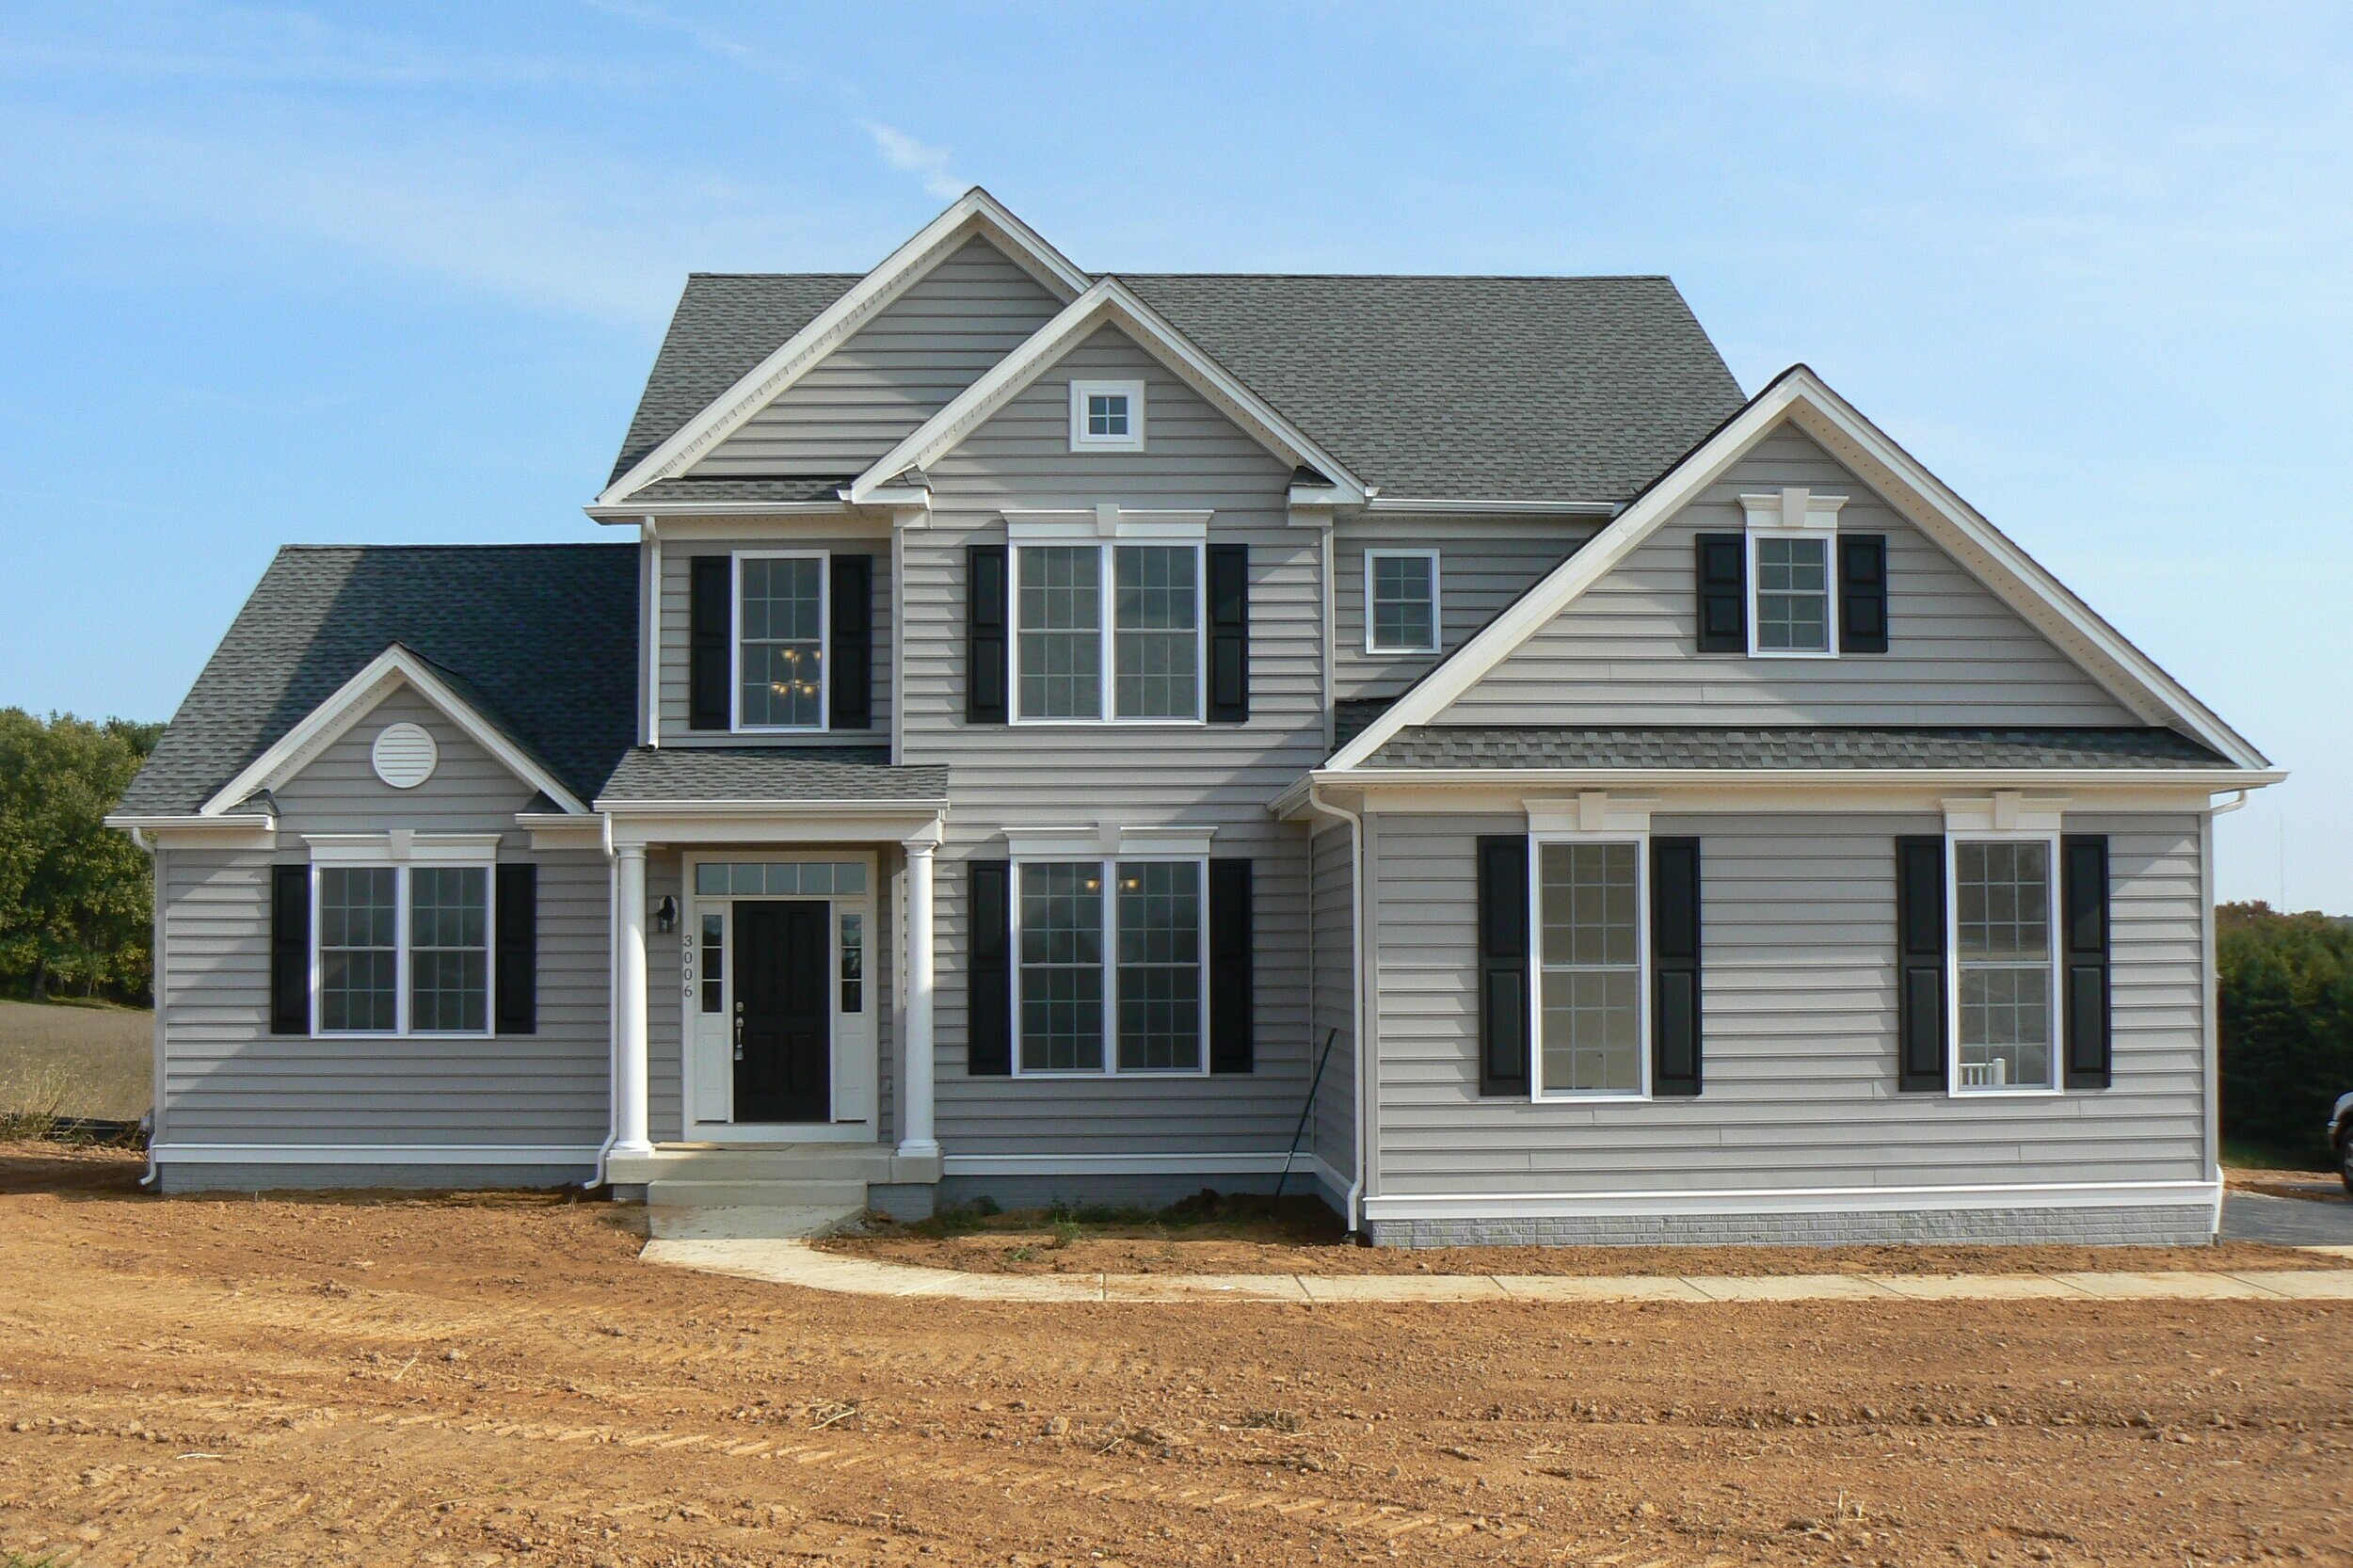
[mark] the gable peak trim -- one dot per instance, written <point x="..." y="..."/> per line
<point x="976" y="214"/>
<point x="387" y="673"/>
<point x="1800" y="398"/>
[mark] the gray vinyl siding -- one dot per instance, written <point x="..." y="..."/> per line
<point x="892" y="373"/>
<point x="1216" y="776"/>
<point x="228" y="1080"/>
<point x="1484" y="565"/>
<point x="1799" y="1020"/>
<point x="677" y="557"/>
<point x="1625" y="650"/>
<point x="1334" y="1125"/>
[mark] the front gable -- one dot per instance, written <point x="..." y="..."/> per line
<point x="890" y="375"/>
<point x="338" y="790"/>
<point x="1625" y="650"/>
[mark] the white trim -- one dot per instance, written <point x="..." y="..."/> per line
<point x="1592" y="814"/>
<point x="1800" y="397"/>
<point x="1824" y="532"/>
<point x="682" y="511"/>
<point x="764" y="822"/>
<point x="2054" y="1046"/>
<point x="1107" y="631"/>
<point x="1108" y="861"/>
<point x="402" y="846"/>
<point x="351" y="702"/>
<point x="1442" y="506"/>
<point x="1252" y="1162"/>
<point x="239" y="832"/>
<point x="1788" y="1200"/>
<point x="376" y="1153"/>
<point x="1437" y="629"/>
<point x="404" y="853"/>
<point x="824" y="642"/>
<point x="1601" y="832"/>
<point x="1036" y="525"/>
<point x="1081" y="441"/>
<point x="649" y="659"/>
<point x="561" y="832"/>
<point x="974" y="214"/>
<point x="2005" y="811"/>
<point x="1108" y="303"/>
<point x="1093" y="842"/>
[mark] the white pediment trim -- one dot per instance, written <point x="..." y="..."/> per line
<point x="388" y="672"/>
<point x="974" y="214"/>
<point x="1109" y="303"/>
<point x="1801" y="398"/>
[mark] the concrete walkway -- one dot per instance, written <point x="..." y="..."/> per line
<point x="787" y="1261"/>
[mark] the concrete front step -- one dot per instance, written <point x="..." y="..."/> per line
<point x="705" y="1162"/>
<point x="786" y="1192"/>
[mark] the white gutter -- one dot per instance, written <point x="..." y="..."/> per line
<point x="1362" y="1073"/>
<point x="156" y="962"/>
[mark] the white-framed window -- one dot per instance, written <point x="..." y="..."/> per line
<point x="1106" y="416"/>
<point x="402" y="950"/>
<point x="2004" y="911"/>
<point x="1591" y="907"/>
<point x="1109" y="633"/>
<point x="1790" y="610"/>
<point x="781" y="614"/>
<point x="1108" y="977"/>
<point x="1401" y="601"/>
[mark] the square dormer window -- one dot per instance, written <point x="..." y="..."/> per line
<point x="1106" y="416"/>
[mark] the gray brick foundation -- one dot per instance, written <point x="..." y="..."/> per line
<point x="2183" y="1224"/>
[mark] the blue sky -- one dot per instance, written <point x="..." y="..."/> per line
<point x="396" y="273"/>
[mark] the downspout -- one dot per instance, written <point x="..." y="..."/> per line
<point x="611" y="1010"/>
<point x="155" y="963"/>
<point x="1356" y="991"/>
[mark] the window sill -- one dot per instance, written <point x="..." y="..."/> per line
<point x="400" y="1034"/>
<point x="1590" y="1099"/>
<point x="2017" y="1091"/>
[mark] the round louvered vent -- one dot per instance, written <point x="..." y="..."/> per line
<point x="405" y="754"/>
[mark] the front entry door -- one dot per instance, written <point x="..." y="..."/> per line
<point x="783" y="1014"/>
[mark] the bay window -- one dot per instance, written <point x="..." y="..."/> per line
<point x="1109" y="966"/>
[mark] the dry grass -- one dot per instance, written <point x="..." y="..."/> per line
<point x="72" y="1060"/>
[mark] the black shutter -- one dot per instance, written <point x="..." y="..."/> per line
<point x="1920" y="964"/>
<point x="290" y="949"/>
<point x="986" y="646"/>
<point x="1675" y="956"/>
<point x="710" y="627"/>
<point x="1503" y="965"/>
<point x="988" y="1017"/>
<point x="1231" y="986"/>
<point x="850" y="682"/>
<point x="1229" y="634"/>
<point x="2085" y="900"/>
<point x="1861" y="593"/>
<point x="1723" y="586"/>
<point x="518" y="948"/>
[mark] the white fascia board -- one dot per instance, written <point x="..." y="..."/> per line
<point x="974" y="214"/>
<point x="352" y="702"/>
<point x="2177" y="781"/>
<point x="1108" y="303"/>
<point x="186" y="832"/>
<point x="2007" y="570"/>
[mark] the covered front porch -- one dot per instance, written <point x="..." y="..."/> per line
<point x="773" y="979"/>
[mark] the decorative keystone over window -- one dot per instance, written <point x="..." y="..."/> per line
<point x="1792" y="545"/>
<point x="1106" y="416"/>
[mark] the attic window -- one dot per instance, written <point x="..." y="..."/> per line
<point x="1106" y="416"/>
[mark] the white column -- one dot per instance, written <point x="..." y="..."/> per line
<point x="915" y="1075"/>
<point x="629" y="999"/>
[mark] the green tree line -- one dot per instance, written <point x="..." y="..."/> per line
<point x="75" y="895"/>
<point x="2287" y="1025"/>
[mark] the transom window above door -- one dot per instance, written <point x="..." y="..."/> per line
<point x="781" y="641"/>
<point x="1131" y="653"/>
<point x="1106" y="416"/>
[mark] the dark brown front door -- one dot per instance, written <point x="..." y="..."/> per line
<point x="783" y="1019"/>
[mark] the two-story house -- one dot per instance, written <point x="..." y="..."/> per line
<point x="1042" y="733"/>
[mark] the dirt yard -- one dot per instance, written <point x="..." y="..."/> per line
<point x="496" y="1379"/>
<point x="63" y="1058"/>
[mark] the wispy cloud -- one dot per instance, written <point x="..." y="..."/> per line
<point x="903" y="152"/>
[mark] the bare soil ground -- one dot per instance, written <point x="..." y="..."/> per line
<point x="1243" y="1237"/>
<point x="490" y="1379"/>
<point x="63" y="1058"/>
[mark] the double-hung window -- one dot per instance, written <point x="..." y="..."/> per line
<point x="1591" y="996"/>
<point x="1792" y="594"/>
<point x="1108" y="632"/>
<point x="1110" y="975"/>
<point x="2004" y="912"/>
<point x="780" y="615"/>
<point x="1401" y="601"/>
<point x="403" y="950"/>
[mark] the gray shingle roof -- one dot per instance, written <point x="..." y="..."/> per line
<point x="861" y="774"/>
<point x="1513" y="389"/>
<point x="541" y="637"/>
<point x="1764" y="749"/>
<point x="743" y="490"/>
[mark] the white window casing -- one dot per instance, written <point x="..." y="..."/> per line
<point x="393" y="861"/>
<point x="2003" y="1006"/>
<point x="1793" y="536"/>
<point x="820" y="701"/>
<point x="1106" y="416"/>
<point x="1037" y="557"/>
<point x="1435" y="635"/>
<point x="1109" y="855"/>
<point x="1632" y="961"/>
